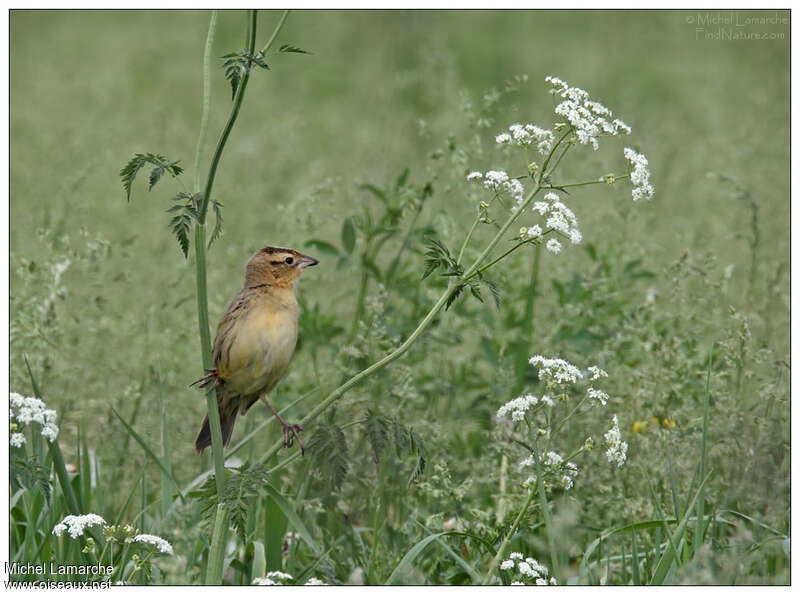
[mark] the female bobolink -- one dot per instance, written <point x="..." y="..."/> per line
<point x="255" y="341"/>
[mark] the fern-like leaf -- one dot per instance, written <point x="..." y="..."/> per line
<point x="377" y="433"/>
<point x="160" y="165"/>
<point x="217" y="231"/>
<point x="329" y="447"/>
<point x="291" y="49"/>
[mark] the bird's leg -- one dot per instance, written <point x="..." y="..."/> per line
<point x="213" y="375"/>
<point x="290" y="432"/>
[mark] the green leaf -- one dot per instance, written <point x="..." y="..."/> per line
<point x="217" y="231"/>
<point x="411" y="556"/>
<point x="160" y="165"/>
<point x="290" y="514"/>
<point x="670" y="556"/>
<point x="377" y="433"/>
<point x="322" y="246"/>
<point x="290" y="49"/>
<point x="149" y="452"/>
<point x="348" y="235"/>
<point x="402" y="179"/>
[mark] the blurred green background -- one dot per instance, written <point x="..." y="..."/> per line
<point x="382" y="91"/>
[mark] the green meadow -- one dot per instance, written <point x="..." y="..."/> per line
<point x="356" y="151"/>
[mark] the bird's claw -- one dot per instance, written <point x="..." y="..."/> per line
<point x="211" y="380"/>
<point x="290" y="432"/>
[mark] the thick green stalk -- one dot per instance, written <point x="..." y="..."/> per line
<point x="501" y="550"/>
<point x="200" y="266"/>
<point x="237" y="104"/>
<point x="214" y="568"/>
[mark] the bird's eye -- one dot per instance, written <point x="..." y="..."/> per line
<point x="289" y="260"/>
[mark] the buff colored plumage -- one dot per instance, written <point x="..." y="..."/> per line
<point x="255" y="340"/>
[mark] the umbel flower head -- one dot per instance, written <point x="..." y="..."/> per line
<point x="640" y="176"/>
<point x="528" y="571"/>
<point x="589" y="118"/>
<point x="75" y="525"/>
<point x="27" y="410"/>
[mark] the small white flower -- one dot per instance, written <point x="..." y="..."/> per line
<point x="548" y="400"/>
<point x="534" y="232"/>
<point x="264" y="582"/>
<point x="507" y="565"/>
<point x="517" y="584"/>
<point x="553" y="459"/>
<point x="553" y="580"/>
<point x="597" y="395"/>
<point x="315" y="582"/>
<point x="616" y="451"/>
<point x="525" y="569"/>
<point x="162" y="545"/>
<point x="76" y="524"/>
<point x="17" y="439"/>
<point x="541" y="582"/>
<point x="589" y="118"/>
<point x="475" y="175"/>
<point x="503" y="139"/>
<point x="556" y="370"/>
<point x="515" y="556"/>
<point x="516" y="408"/>
<point x="597" y="373"/>
<point x="278" y="575"/>
<point x="26" y="410"/>
<point x="640" y="176"/>
<point x="553" y="245"/>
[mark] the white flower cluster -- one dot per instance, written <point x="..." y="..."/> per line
<point x="30" y="409"/>
<point x="516" y="408"/>
<point x="529" y="569"/>
<point x="315" y="582"/>
<point x="525" y="135"/>
<point x="162" y="545"/>
<point x="596" y="373"/>
<point x="275" y="577"/>
<point x="560" y="218"/>
<point x="616" y="449"/>
<point x="589" y="118"/>
<point x="640" y="176"/>
<point x="553" y="465"/>
<point x="76" y="524"/>
<point x="597" y="395"/>
<point x="500" y="183"/>
<point x="556" y="370"/>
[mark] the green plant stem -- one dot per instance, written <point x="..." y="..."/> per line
<point x="468" y="238"/>
<point x="501" y="550"/>
<point x="545" y="510"/>
<point x="424" y="323"/>
<point x="588" y="182"/>
<point x="272" y="37"/>
<point x="204" y="116"/>
<point x="214" y="568"/>
<point x="237" y="104"/>
<point x="362" y="292"/>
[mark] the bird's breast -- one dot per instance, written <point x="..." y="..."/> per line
<point x="262" y="349"/>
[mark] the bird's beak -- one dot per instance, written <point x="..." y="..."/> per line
<point x="306" y="261"/>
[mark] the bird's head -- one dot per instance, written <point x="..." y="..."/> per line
<point x="279" y="267"/>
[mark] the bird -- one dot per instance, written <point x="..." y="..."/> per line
<point x="255" y="341"/>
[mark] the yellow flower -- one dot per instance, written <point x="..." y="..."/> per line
<point x="639" y="427"/>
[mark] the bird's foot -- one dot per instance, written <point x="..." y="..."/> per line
<point x="210" y="380"/>
<point x="290" y="432"/>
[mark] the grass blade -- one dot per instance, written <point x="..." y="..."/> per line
<point x="149" y="452"/>
<point x="670" y="554"/>
<point x="411" y="556"/>
<point x="291" y="515"/>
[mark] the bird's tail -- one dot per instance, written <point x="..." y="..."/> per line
<point x="226" y="419"/>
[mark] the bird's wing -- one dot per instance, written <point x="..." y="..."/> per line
<point x="227" y="331"/>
